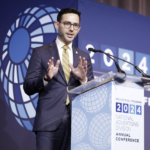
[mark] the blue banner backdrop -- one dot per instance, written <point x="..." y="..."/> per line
<point x="121" y="33"/>
<point x="24" y="26"/>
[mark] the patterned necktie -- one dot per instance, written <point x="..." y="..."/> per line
<point x="65" y="61"/>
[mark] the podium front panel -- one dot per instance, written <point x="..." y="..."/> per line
<point x="109" y="117"/>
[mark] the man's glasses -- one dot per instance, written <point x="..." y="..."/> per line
<point x="67" y="25"/>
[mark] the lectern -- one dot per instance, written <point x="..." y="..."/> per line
<point x="108" y="113"/>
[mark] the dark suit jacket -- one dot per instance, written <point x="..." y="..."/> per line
<point x="52" y="97"/>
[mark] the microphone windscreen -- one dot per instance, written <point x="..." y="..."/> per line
<point x="90" y="49"/>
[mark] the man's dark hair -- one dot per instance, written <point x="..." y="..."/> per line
<point x="66" y="11"/>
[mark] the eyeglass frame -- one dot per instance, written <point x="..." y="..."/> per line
<point x="71" y="25"/>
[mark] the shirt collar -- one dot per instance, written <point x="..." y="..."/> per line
<point x="60" y="44"/>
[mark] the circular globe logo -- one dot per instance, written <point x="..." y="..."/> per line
<point x="100" y="131"/>
<point x="79" y="125"/>
<point x="33" y="28"/>
<point x="94" y="100"/>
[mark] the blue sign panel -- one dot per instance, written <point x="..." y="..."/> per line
<point x="85" y="44"/>
<point x="127" y="55"/>
<point x="106" y="62"/>
<point x="143" y="62"/>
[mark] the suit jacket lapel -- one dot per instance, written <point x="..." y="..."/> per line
<point x="75" y="57"/>
<point x="54" y="53"/>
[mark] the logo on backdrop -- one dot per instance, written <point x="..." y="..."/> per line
<point x="33" y="28"/>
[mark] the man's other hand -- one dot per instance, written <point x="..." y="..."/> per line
<point x="81" y="69"/>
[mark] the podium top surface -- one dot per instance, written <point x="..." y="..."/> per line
<point x="110" y="76"/>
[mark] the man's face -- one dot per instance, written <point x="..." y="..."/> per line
<point x="64" y="34"/>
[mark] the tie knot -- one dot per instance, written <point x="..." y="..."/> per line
<point x="65" y="47"/>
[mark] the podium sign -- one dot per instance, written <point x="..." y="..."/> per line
<point x="108" y="113"/>
<point x="127" y="117"/>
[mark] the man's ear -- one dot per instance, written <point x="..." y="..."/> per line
<point x="56" y="24"/>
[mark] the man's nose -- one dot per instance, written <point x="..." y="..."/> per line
<point x="71" y="27"/>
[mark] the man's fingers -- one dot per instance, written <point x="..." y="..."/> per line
<point x="71" y="66"/>
<point x="48" y="66"/>
<point x="52" y="61"/>
<point x="80" y="60"/>
<point x="85" y="64"/>
<point x="83" y="61"/>
<point x="57" y="64"/>
<point x="86" y="68"/>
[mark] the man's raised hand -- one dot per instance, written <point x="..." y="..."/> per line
<point x="81" y="69"/>
<point x="51" y="69"/>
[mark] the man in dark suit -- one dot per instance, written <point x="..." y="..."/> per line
<point x="48" y="74"/>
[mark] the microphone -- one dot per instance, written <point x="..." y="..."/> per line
<point x="136" y="67"/>
<point x="116" y="64"/>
